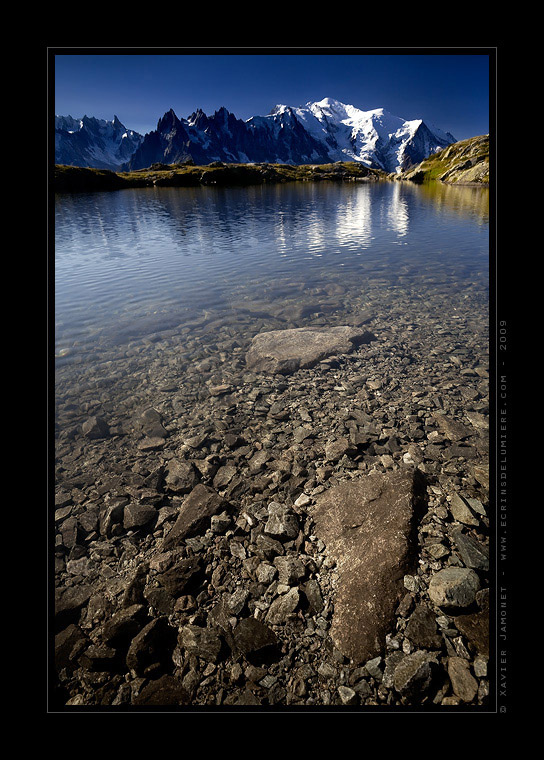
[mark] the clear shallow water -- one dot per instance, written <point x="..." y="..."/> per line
<point x="132" y="262"/>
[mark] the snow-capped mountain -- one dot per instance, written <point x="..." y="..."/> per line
<point x="94" y="142"/>
<point x="376" y="137"/>
<point x="320" y="132"/>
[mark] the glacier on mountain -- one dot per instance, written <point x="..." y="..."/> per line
<point x="375" y="137"/>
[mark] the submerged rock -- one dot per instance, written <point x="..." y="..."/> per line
<point x="454" y="587"/>
<point x="367" y="526"/>
<point x="464" y="684"/>
<point x="282" y="607"/>
<point x="95" y="427"/>
<point x="196" y="510"/>
<point x="282" y="523"/>
<point x="413" y="674"/>
<point x="165" y="690"/>
<point x="285" y="351"/>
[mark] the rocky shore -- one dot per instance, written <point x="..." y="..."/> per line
<point x="283" y="506"/>
<point x="463" y="163"/>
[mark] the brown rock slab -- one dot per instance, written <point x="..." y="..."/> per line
<point x="202" y="642"/>
<point x="153" y="645"/>
<point x="137" y="515"/>
<point x="123" y="626"/>
<point x="462" y="512"/>
<point x="179" y="577"/>
<point x="286" y="351"/>
<point x="413" y="674"/>
<point x="452" y="428"/>
<point x="476" y="629"/>
<point x="150" y="422"/>
<point x="67" y="645"/>
<point x="69" y="602"/>
<point x="95" y="427"/>
<point x="464" y="685"/>
<point x="252" y="637"/>
<point x="194" y="513"/>
<point x="367" y="525"/>
<point x="99" y="657"/>
<point x="282" y="607"/>
<point x="166" y="690"/>
<point x="421" y="629"/>
<point x="181" y="476"/>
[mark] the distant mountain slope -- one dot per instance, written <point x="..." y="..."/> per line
<point x="322" y="132"/>
<point x="463" y="162"/>
<point x="94" y="142"/>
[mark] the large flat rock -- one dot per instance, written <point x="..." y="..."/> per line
<point x="368" y="526"/>
<point x="285" y="351"/>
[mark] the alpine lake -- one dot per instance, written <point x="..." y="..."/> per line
<point x="158" y="294"/>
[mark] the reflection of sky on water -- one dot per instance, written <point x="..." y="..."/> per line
<point x="133" y="253"/>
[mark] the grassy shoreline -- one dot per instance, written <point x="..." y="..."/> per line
<point x="83" y="179"/>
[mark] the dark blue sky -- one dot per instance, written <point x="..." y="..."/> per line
<point x="449" y="91"/>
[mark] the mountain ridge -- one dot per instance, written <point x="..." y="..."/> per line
<point x="93" y="142"/>
<point x="319" y="132"/>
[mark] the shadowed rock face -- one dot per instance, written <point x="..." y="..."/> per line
<point x="367" y="525"/>
<point x="285" y="351"/>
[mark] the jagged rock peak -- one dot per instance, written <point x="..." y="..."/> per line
<point x="197" y="118"/>
<point x="168" y="121"/>
<point x="222" y="111"/>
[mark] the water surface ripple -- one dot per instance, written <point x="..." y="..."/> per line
<point x="135" y="261"/>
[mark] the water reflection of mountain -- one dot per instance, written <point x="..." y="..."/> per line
<point x="397" y="212"/>
<point x="463" y="200"/>
<point x="136" y="258"/>
<point x="215" y="220"/>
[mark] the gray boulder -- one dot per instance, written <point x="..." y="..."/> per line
<point x="286" y="351"/>
<point x="454" y="587"/>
